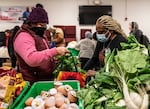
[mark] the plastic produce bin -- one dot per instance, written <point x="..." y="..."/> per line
<point x="37" y="87"/>
<point x="18" y="99"/>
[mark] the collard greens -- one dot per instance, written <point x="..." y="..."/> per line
<point x="131" y="59"/>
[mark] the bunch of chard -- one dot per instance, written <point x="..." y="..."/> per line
<point x="123" y="82"/>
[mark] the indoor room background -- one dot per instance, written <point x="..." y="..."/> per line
<point x="66" y="12"/>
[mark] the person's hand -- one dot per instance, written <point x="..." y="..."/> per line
<point x="62" y="50"/>
<point x="90" y="73"/>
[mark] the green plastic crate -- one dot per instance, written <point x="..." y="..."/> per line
<point x="22" y="94"/>
<point x="37" y="87"/>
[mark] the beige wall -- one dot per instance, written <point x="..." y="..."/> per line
<point x="65" y="12"/>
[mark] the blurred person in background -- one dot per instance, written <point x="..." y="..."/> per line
<point x="2" y="44"/>
<point x="11" y="47"/>
<point x="2" y="39"/>
<point x="86" y="48"/>
<point x="7" y="35"/>
<point x="35" y="58"/>
<point x="135" y="31"/>
<point x="57" y="37"/>
<point x="26" y="13"/>
<point x="39" y="5"/>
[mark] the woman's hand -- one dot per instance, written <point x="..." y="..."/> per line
<point x="62" y="50"/>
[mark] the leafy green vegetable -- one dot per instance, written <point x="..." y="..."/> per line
<point x="131" y="59"/>
<point x="131" y="65"/>
<point x="68" y="62"/>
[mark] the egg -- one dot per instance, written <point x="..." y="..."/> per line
<point x="73" y="106"/>
<point x="68" y="88"/>
<point x="72" y="96"/>
<point x="38" y="103"/>
<point x="44" y="93"/>
<point x="50" y="102"/>
<point x="52" y="91"/>
<point x="54" y="107"/>
<point x="64" y="106"/>
<point x="62" y="90"/>
<point x="28" y="107"/>
<point x="58" y="95"/>
<point x="59" y="101"/>
<point x="67" y="101"/>
<point x="28" y="102"/>
<point x="57" y="84"/>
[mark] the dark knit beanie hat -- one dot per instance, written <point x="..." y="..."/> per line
<point x="38" y="15"/>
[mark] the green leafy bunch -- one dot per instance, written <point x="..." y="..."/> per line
<point x="68" y="62"/>
<point x="130" y="65"/>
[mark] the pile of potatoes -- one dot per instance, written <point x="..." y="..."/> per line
<point x="59" y="97"/>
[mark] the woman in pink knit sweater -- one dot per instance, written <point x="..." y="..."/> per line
<point x="35" y="58"/>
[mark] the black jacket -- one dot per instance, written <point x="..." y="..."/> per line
<point x="141" y="38"/>
<point x="2" y="39"/>
<point x="94" y="61"/>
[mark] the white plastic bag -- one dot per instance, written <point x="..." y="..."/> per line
<point x="4" y="52"/>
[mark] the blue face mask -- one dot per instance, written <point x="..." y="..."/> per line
<point x="101" y="37"/>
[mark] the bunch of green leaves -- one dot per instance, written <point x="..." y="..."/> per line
<point x="68" y="62"/>
<point x="131" y="64"/>
<point x="101" y="92"/>
<point x="132" y="43"/>
<point x="131" y="67"/>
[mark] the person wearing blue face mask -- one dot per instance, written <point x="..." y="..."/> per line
<point x="109" y="35"/>
<point x="102" y="37"/>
